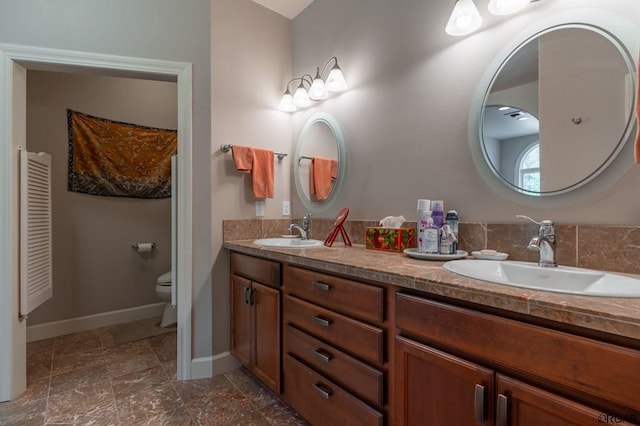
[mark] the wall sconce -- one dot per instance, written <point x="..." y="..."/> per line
<point x="465" y="17"/>
<point x="318" y="87"/>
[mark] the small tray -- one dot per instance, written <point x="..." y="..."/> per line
<point x="497" y="256"/>
<point x="414" y="253"/>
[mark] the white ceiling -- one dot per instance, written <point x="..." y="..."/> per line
<point x="287" y="8"/>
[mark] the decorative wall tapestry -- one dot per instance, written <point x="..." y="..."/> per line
<point x="114" y="159"/>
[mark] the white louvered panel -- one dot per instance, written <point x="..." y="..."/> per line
<point x="36" y="282"/>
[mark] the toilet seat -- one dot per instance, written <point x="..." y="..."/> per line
<point x="164" y="279"/>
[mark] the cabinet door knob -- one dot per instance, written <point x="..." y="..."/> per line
<point x="247" y="295"/>
<point x="321" y="286"/>
<point x="501" y="410"/>
<point x="321" y="321"/>
<point x="479" y="404"/>
<point x="325" y="393"/>
<point x="323" y="355"/>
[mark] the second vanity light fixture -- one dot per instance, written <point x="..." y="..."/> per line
<point x="319" y="88"/>
<point x="465" y="17"/>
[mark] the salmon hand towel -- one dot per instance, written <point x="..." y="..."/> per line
<point x="258" y="162"/>
<point x="637" y="146"/>
<point x="323" y="172"/>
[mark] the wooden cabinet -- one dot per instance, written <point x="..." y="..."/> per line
<point x="434" y="386"/>
<point x="334" y="348"/>
<point x="255" y="317"/>
<point x="458" y="366"/>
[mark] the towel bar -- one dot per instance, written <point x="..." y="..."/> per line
<point x="226" y="147"/>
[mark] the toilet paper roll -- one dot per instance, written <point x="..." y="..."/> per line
<point x="144" y="247"/>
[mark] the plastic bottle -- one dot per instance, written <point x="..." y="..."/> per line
<point x="437" y="213"/>
<point x="452" y="221"/>
<point x="424" y="212"/>
<point x="431" y="237"/>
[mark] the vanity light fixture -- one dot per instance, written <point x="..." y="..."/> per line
<point x="464" y="19"/>
<point x="318" y="87"/>
<point x="506" y="7"/>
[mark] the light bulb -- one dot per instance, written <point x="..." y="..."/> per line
<point x="335" y="80"/>
<point x="464" y="19"/>
<point x="506" y="7"/>
<point x="301" y="98"/>
<point x="286" y="103"/>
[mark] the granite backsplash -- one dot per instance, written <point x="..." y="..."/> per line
<point x="607" y="248"/>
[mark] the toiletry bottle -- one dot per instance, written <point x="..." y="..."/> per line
<point x="431" y="237"/>
<point x="437" y="213"/>
<point x="424" y="211"/>
<point x="452" y="221"/>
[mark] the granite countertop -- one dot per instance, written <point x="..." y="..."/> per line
<point x="618" y="316"/>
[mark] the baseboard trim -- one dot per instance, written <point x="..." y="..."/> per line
<point x="74" y="325"/>
<point x="209" y="366"/>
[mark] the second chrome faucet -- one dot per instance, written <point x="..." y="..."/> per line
<point x="544" y="242"/>
<point x="302" y="228"/>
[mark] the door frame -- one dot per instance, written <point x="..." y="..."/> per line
<point x="15" y="60"/>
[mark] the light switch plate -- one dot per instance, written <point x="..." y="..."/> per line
<point x="259" y="208"/>
<point x="286" y="208"/>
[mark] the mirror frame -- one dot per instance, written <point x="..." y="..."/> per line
<point x="332" y="123"/>
<point x="622" y="33"/>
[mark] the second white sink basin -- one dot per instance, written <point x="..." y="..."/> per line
<point x="562" y="279"/>
<point x="287" y="242"/>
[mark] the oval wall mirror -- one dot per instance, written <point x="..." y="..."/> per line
<point x="319" y="164"/>
<point x="558" y="109"/>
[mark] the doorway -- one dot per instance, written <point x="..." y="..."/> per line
<point x="15" y="61"/>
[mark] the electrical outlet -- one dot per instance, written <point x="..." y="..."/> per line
<point x="260" y="208"/>
<point x="286" y="208"/>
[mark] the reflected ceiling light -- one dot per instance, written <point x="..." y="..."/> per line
<point x="507" y="7"/>
<point x="464" y="19"/>
<point x="504" y="108"/>
<point x="318" y="87"/>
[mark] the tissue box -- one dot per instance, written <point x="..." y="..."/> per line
<point x="389" y="239"/>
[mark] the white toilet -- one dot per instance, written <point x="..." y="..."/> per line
<point x="163" y="290"/>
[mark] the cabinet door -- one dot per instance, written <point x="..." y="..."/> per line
<point x="241" y="320"/>
<point x="524" y="405"/>
<point x="266" y="305"/>
<point x="435" y="388"/>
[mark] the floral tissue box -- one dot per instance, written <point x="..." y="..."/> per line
<point x="389" y="239"/>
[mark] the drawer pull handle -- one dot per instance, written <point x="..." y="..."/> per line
<point x="501" y="410"/>
<point x="323" y="355"/>
<point x="321" y="286"/>
<point x="321" y="321"/>
<point x="325" y="393"/>
<point x="479" y="404"/>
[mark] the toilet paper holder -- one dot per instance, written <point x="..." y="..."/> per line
<point x="136" y="246"/>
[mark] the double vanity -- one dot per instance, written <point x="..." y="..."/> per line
<point x="347" y="335"/>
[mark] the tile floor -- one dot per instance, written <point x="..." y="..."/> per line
<point x="87" y="379"/>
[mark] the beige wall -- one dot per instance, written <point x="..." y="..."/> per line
<point x="170" y="30"/>
<point x="95" y="269"/>
<point x="405" y="113"/>
<point x="251" y="63"/>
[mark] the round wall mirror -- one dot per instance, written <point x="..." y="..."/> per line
<point x="319" y="163"/>
<point x="558" y="109"/>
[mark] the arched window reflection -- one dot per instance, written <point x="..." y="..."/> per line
<point x="529" y="169"/>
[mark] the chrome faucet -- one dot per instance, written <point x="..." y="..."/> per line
<point x="303" y="228"/>
<point x="544" y="242"/>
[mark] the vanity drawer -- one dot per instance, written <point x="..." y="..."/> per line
<point x="253" y="268"/>
<point x="360" y="339"/>
<point x="352" y="298"/>
<point x="594" y="368"/>
<point x="321" y="401"/>
<point x="359" y="378"/>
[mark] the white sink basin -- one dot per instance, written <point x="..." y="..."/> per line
<point x="562" y="279"/>
<point x="287" y="242"/>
